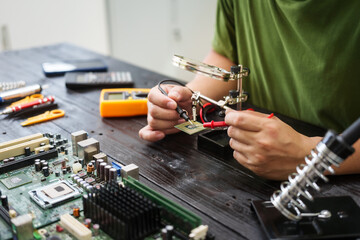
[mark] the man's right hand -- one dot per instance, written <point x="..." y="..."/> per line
<point x="162" y="116"/>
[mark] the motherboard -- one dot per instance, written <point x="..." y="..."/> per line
<point x="55" y="187"/>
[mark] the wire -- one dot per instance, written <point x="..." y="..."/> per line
<point x="181" y="112"/>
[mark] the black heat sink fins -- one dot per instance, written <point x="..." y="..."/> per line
<point x="121" y="212"/>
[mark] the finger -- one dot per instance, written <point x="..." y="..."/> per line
<point x="243" y="136"/>
<point x="245" y="120"/>
<point x="158" y="98"/>
<point x="161" y="113"/>
<point x="151" y="135"/>
<point x="159" y="124"/>
<point x="180" y="94"/>
<point x="241" y="158"/>
<point x="242" y="148"/>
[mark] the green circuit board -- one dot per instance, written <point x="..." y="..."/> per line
<point x="23" y="185"/>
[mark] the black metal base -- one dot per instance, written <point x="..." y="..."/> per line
<point x="215" y="143"/>
<point x="343" y="223"/>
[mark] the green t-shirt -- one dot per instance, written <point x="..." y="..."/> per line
<point x="304" y="56"/>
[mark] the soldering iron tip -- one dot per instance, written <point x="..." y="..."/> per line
<point x="191" y="122"/>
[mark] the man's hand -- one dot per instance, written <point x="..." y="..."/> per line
<point x="267" y="146"/>
<point x="162" y="116"/>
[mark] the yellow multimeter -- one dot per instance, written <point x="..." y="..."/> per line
<point x="123" y="102"/>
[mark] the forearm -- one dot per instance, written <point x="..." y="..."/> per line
<point x="210" y="87"/>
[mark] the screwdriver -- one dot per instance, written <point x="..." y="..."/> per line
<point x="181" y="112"/>
<point x="27" y="105"/>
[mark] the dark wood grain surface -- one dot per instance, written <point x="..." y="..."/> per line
<point x="219" y="191"/>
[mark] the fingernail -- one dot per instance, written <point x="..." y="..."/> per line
<point x="171" y="105"/>
<point x="250" y="109"/>
<point x="270" y="115"/>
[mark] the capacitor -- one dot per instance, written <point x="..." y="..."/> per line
<point x="82" y="183"/>
<point x="96" y="228"/>
<point x="90" y="168"/>
<point x="87" y="222"/>
<point x="45" y="171"/>
<point x="76" y="212"/>
<point x="62" y="148"/>
<point x="4" y="201"/>
<point x="5" y="161"/>
<point x="89" y="188"/>
<point x="78" y="180"/>
<point x="113" y="174"/>
<point x="37" y="160"/>
<point x="66" y="152"/>
<point x="98" y="162"/>
<point x="85" y="185"/>
<point x="93" y="162"/>
<point x="65" y="140"/>
<point x="64" y="171"/>
<point x="107" y="172"/>
<point x="102" y="171"/>
<point x="45" y="164"/>
<point x="58" y="136"/>
<point x="51" y="142"/>
<point x="42" y="162"/>
<point x="73" y="176"/>
<point x="11" y="159"/>
<point x="51" y="135"/>
<point x="169" y="232"/>
<point x="57" y="173"/>
<point x="41" y="150"/>
<point x="38" y="166"/>
<point x="27" y="151"/>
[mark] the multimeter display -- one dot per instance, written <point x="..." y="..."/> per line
<point x="115" y="96"/>
<point x="123" y="102"/>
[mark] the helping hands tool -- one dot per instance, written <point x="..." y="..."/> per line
<point x="49" y="115"/>
<point x="28" y="105"/>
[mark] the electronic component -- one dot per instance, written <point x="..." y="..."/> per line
<point x="190" y="129"/>
<point x="98" y="80"/>
<point x="22" y="227"/>
<point x="19" y="149"/>
<point x="130" y="170"/>
<point x="143" y="220"/>
<point x="76" y="228"/>
<point x="123" y="102"/>
<point x="87" y="145"/>
<point x="27" y="161"/>
<point x="76" y="167"/>
<point x="16" y="180"/>
<point x="54" y="194"/>
<point x="77" y="137"/>
<point x="100" y="155"/>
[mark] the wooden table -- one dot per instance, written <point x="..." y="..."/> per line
<point x="219" y="191"/>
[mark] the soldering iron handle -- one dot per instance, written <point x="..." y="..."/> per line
<point x="352" y="133"/>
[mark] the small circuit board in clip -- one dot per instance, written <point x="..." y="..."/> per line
<point x="190" y="128"/>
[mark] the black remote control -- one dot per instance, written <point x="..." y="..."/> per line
<point x="98" y="80"/>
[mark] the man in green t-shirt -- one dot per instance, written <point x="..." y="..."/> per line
<point x="303" y="57"/>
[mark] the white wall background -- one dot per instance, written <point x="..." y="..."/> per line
<point x="141" y="32"/>
<point x="30" y="23"/>
<point x="148" y="33"/>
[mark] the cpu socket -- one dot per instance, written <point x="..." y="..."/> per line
<point x="54" y="194"/>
